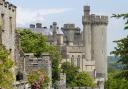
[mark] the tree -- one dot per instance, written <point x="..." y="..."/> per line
<point x="124" y="16"/>
<point x="37" y="44"/>
<point x="122" y="49"/>
<point x="6" y="64"/>
<point x="38" y="79"/>
<point x="84" y="79"/>
<point x="114" y="82"/>
<point x="75" y="78"/>
<point x="71" y="72"/>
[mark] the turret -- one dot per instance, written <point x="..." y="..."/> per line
<point x="99" y="41"/>
<point x="69" y="31"/>
<point x="87" y="32"/>
<point x="54" y="29"/>
<point x="60" y="37"/>
<point x="95" y="37"/>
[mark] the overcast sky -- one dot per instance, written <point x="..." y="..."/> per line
<point x="71" y="11"/>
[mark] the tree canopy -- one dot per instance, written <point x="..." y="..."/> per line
<point x="37" y="44"/>
<point x="119" y="79"/>
<point x="122" y="48"/>
<point x="114" y="82"/>
<point x="74" y="78"/>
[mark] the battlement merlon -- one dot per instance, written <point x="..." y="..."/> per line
<point x="8" y="5"/>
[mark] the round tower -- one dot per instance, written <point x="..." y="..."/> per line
<point x="87" y="32"/>
<point x="99" y="44"/>
<point x="69" y="30"/>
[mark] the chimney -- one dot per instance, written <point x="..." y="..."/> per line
<point x="32" y="26"/>
<point x="38" y="25"/>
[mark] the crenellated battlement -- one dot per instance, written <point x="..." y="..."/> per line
<point x="8" y="5"/>
<point x="93" y="19"/>
<point x="96" y="19"/>
<point x="69" y="25"/>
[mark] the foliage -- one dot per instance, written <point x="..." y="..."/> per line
<point x="37" y="44"/>
<point x="74" y="78"/>
<point x="38" y="79"/>
<point x="84" y="79"/>
<point x="124" y="16"/>
<point x="118" y="79"/>
<point x="6" y="64"/>
<point x="55" y="55"/>
<point x="71" y="72"/>
<point x="115" y="82"/>
<point x="32" y="42"/>
<point x="122" y="49"/>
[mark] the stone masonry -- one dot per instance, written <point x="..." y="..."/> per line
<point x="85" y="49"/>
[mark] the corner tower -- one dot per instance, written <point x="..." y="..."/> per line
<point x="95" y="40"/>
<point x="99" y="44"/>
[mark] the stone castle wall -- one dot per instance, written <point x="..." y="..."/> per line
<point x="8" y="23"/>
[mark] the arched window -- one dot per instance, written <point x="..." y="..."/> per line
<point x="78" y="61"/>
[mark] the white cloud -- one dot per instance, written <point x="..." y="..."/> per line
<point x="27" y="16"/>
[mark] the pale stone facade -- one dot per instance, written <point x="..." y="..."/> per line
<point x="85" y="49"/>
<point x="8" y="26"/>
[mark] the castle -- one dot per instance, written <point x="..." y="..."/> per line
<point x="85" y="49"/>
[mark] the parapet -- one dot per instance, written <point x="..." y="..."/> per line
<point x="99" y="19"/>
<point x="93" y="19"/>
<point x="8" y="5"/>
<point x="69" y="25"/>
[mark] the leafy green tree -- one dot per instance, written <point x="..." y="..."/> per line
<point x="6" y="64"/>
<point x="37" y="44"/>
<point x="74" y="78"/>
<point x="71" y="72"/>
<point x="122" y="48"/>
<point x="115" y="83"/>
<point x="84" y="79"/>
<point x="118" y="80"/>
<point x="125" y="18"/>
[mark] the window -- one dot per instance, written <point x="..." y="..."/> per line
<point x="2" y="22"/>
<point x="78" y="61"/>
<point x="31" y="59"/>
<point x="10" y="24"/>
<point x="72" y="59"/>
<point x="35" y="64"/>
<point x="83" y="56"/>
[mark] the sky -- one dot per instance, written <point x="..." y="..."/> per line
<point x="71" y="11"/>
